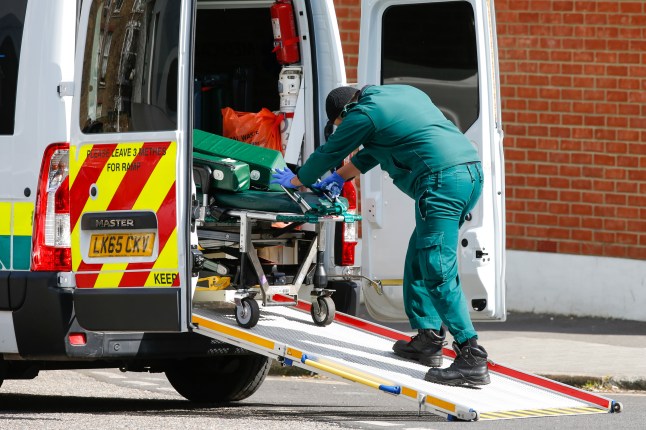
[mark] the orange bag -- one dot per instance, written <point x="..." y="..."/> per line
<point x="260" y="129"/>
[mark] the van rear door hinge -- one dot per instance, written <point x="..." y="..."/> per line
<point x="65" y="89"/>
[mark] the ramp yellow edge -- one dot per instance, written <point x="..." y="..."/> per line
<point x="533" y="413"/>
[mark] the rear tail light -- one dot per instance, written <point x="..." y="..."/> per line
<point x="344" y="255"/>
<point x="51" y="239"/>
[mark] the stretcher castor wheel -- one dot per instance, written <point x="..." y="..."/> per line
<point x="323" y="310"/>
<point x="247" y="313"/>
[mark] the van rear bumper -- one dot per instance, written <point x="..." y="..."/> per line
<point x="44" y="317"/>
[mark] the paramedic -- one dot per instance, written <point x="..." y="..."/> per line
<point x="431" y="161"/>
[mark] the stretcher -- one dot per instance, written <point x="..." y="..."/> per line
<point x="233" y="229"/>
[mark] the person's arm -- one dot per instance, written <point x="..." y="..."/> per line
<point x="363" y="161"/>
<point x="348" y="171"/>
<point x="355" y="129"/>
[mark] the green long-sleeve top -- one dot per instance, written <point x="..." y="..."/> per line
<point x="401" y="130"/>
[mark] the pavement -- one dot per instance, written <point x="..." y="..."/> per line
<point x="595" y="353"/>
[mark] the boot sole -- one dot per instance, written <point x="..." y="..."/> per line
<point x="464" y="381"/>
<point x="423" y="359"/>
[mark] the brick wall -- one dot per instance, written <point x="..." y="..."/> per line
<point x="348" y="13"/>
<point x="573" y="84"/>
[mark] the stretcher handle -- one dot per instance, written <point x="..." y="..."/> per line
<point x="328" y="196"/>
<point x="300" y="201"/>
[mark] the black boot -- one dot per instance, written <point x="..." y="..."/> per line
<point x="425" y="347"/>
<point x="469" y="367"/>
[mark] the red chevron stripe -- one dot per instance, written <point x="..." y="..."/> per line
<point x="167" y="223"/>
<point x="167" y="216"/>
<point x="133" y="279"/>
<point x="124" y="198"/>
<point x="88" y="174"/>
<point x="86" y="280"/>
<point x="134" y="180"/>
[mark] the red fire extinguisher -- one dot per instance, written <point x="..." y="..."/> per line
<point x="285" y="37"/>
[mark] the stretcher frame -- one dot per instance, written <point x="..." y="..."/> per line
<point x="251" y="230"/>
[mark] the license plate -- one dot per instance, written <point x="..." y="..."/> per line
<point x="122" y="245"/>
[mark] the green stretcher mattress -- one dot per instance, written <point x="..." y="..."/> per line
<point x="223" y="173"/>
<point x="262" y="161"/>
<point x="270" y="201"/>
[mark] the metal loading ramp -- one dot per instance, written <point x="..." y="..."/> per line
<point x="360" y="351"/>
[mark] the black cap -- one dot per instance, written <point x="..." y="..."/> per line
<point x="336" y="101"/>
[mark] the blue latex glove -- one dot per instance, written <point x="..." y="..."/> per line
<point x="333" y="184"/>
<point x="284" y="178"/>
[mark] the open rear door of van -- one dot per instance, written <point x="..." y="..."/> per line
<point x="129" y="186"/>
<point x="448" y="50"/>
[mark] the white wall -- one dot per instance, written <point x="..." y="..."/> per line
<point x="576" y="285"/>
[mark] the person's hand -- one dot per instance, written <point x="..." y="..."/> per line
<point x="333" y="184"/>
<point x="284" y="178"/>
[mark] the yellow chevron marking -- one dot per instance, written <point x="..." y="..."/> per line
<point x="77" y="158"/>
<point x="110" y="277"/>
<point x="110" y="180"/>
<point x="233" y="332"/>
<point x="23" y="218"/>
<point x="107" y="184"/>
<point x="160" y="181"/>
<point x="167" y="259"/>
<point x="5" y="219"/>
<point x="151" y="198"/>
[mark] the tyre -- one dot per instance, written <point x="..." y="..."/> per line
<point x="219" y="379"/>
<point x="248" y="313"/>
<point x="326" y="311"/>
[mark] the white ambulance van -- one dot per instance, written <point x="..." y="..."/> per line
<point x="100" y="209"/>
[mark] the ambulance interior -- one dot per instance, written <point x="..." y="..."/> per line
<point x="235" y="66"/>
<point x="234" y="63"/>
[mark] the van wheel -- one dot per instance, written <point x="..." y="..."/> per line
<point x="219" y="379"/>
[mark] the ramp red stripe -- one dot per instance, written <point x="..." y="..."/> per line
<point x="88" y="174"/>
<point x="134" y="181"/>
<point x="351" y="321"/>
<point x="551" y="385"/>
<point x="496" y="368"/>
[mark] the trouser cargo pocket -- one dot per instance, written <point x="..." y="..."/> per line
<point x="429" y="250"/>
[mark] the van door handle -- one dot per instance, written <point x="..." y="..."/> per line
<point x="480" y="253"/>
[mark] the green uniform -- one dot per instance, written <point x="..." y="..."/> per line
<point x="431" y="161"/>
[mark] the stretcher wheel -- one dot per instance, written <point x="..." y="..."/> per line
<point x="324" y="315"/>
<point x="248" y="313"/>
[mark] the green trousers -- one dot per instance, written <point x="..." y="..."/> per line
<point x="432" y="291"/>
